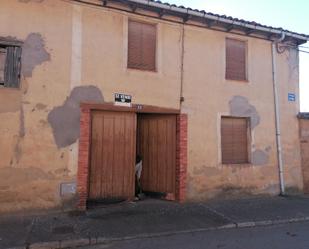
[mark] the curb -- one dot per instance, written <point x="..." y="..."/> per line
<point x="64" y="244"/>
<point x="270" y="222"/>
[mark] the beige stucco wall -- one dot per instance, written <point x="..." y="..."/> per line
<point x="77" y="46"/>
<point x="208" y="96"/>
<point x="31" y="166"/>
<point x="288" y="78"/>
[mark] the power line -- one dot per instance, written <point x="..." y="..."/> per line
<point x="297" y="48"/>
<point x="303" y="51"/>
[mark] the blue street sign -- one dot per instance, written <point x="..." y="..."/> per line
<point x="291" y="97"/>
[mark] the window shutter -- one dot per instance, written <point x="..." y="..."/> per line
<point x="2" y="64"/>
<point x="135" y="45"/>
<point x="235" y="59"/>
<point x="234" y="140"/>
<point x="142" y="46"/>
<point x="149" y="47"/>
<point x="12" y="67"/>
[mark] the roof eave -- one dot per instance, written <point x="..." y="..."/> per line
<point x="269" y="31"/>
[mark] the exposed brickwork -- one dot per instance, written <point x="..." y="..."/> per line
<point x="182" y="157"/>
<point x="304" y="142"/>
<point x="83" y="158"/>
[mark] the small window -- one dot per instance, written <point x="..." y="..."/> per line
<point x="142" y="46"/>
<point x="236" y="60"/>
<point x="234" y="140"/>
<point x="10" y="63"/>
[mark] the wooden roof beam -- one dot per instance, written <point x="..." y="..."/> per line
<point x="210" y="23"/>
<point x="186" y="18"/>
<point x="162" y="12"/>
<point x="230" y="27"/>
<point x="250" y="31"/>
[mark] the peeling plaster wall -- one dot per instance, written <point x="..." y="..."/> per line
<point x="64" y="119"/>
<point x="288" y="78"/>
<point x="39" y="122"/>
<point x="208" y="96"/>
<point x="33" y="53"/>
<point x="67" y="60"/>
<point x="240" y="107"/>
<point x="31" y="166"/>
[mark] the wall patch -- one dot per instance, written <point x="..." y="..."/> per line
<point x="64" y="119"/>
<point x="240" y="107"/>
<point x="260" y="157"/>
<point x="34" y="53"/>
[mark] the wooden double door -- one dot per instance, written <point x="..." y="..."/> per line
<point x="116" y="139"/>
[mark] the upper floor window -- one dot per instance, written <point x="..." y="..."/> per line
<point x="142" y="42"/>
<point x="234" y="140"/>
<point x="236" y="60"/>
<point x="10" y="64"/>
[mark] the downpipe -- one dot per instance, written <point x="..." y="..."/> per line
<point x="182" y="57"/>
<point x="277" y="115"/>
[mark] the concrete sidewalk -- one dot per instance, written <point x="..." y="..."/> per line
<point x="147" y="218"/>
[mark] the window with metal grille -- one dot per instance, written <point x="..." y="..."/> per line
<point x="234" y="140"/>
<point x="142" y="42"/>
<point x="236" y="60"/>
<point x="10" y="64"/>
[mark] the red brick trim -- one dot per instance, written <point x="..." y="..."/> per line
<point x="182" y="157"/>
<point x="83" y="158"/>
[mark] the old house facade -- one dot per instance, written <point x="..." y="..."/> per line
<point x="203" y="116"/>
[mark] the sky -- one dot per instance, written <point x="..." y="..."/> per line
<point x="292" y="15"/>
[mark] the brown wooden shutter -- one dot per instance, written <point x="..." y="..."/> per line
<point x="142" y="46"/>
<point x="234" y="140"/>
<point x="12" y="67"/>
<point x="235" y="60"/>
<point x="2" y="64"/>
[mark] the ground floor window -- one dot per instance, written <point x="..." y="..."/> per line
<point x="235" y="138"/>
<point x="10" y="64"/>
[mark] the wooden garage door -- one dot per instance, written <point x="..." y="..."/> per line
<point x="157" y="146"/>
<point x="113" y="148"/>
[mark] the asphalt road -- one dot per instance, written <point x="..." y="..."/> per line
<point x="287" y="236"/>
